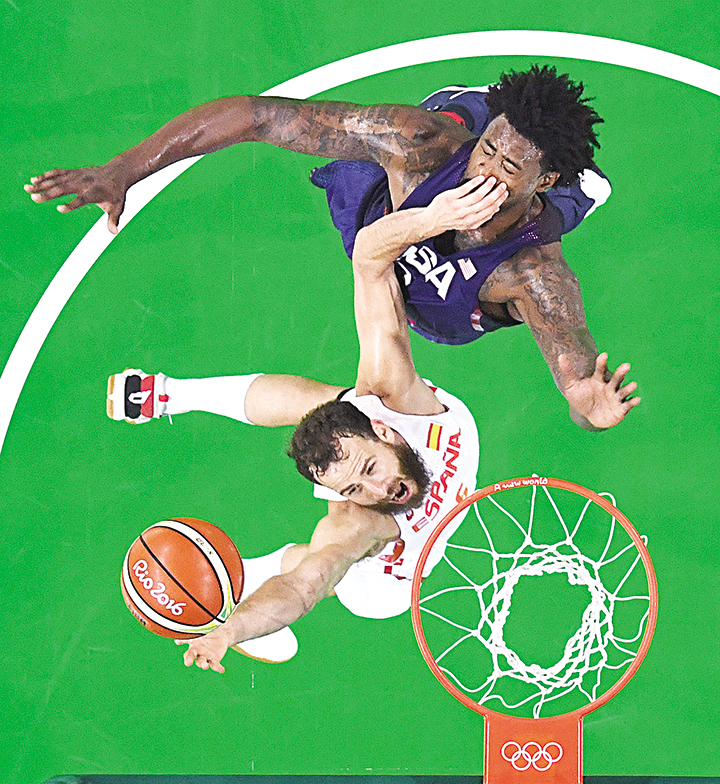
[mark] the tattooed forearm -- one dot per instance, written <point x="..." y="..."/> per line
<point x="544" y="292"/>
<point x="384" y="134"/>
<point x="540" y="289"/>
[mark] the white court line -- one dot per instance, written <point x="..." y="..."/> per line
<point x="545" y="44"/>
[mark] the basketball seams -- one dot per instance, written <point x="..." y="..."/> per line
<point x="214" y="556"/>
<point x="218" y="557"/>
<point x="218" y="616"/>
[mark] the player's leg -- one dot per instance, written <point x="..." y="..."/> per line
<point x="280" y="645"/>
<point x="268" y="400"/>
<point x="276" y="400"/>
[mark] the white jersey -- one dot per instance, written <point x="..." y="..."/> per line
<point x="379" y="586"/>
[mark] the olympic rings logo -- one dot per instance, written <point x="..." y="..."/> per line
<point x="532" y="753"/>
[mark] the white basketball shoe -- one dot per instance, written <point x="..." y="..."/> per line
<point x="274" y="648"/>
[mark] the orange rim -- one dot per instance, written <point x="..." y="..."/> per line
<point x="544" y="482"/>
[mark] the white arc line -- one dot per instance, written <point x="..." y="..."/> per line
<point x="540" y="43"/>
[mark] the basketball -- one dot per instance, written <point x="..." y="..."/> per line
<point x="182" y="578"/>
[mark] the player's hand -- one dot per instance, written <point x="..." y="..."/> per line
<point x="105" y="186"/>
<point x="206" y="651"/>
<point x="603" y="402"/>
<point x="468" y="206"/>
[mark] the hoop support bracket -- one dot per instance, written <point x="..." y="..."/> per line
<point x="533" y="751"/>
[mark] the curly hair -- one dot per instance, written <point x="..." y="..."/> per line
<point x="316" y="441"/>
<point x="548" y="111"/>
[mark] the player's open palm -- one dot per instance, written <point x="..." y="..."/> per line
<point x="468" y="206"/>
<point x="207" y="651"/>
<point x="102" y="185"/>
<point x="602" y="401"/>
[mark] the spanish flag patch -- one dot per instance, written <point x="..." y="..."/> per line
<point x="433" y="439"/>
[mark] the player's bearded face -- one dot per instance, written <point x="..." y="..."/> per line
<point x="411" y="468"/>
<point x="387" y="476"/>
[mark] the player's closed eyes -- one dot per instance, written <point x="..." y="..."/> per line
<point x="490" y="151"/>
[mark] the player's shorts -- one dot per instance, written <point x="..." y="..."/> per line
<point x="373" y="595"/>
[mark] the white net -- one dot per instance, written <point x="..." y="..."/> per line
<point x="543" y="604"/>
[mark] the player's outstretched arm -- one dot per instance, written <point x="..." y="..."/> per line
<point x="403" y="139"/>
<point x="386" y="368"/>
<point x="545" y="294"/>
<point x="347" y="534"/>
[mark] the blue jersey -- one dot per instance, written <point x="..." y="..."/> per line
<point x="440" y="286"/>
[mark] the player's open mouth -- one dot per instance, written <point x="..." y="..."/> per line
<point x="401" y="494"/>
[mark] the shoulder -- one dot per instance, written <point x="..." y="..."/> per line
<point x="428" y="140"/>
<point x="413" y="398"/>
<point x="538" y="266"/>
<point x="424" y="128"/>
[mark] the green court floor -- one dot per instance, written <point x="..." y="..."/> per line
<point x="236" y="268"/>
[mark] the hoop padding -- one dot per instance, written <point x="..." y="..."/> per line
<point x="649" y="619"/>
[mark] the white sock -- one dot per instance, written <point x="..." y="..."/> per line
<point x="223" y="395"/>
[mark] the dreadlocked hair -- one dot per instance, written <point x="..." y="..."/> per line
<point x="548" y="111"/>
<point x="315" y="444"/>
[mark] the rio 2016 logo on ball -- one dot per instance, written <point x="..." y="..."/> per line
<point x="182" y="578"/>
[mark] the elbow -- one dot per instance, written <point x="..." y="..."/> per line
<point x="362" y="251"/>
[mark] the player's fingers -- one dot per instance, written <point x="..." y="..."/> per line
<point x="53" y="181"/>
<point x="217" y="667"/>
<point x="601" y="365"/>
<point x="487" y="193"/>
<point x="39" y="198"/>
<point x="48" y="175"/>
<point x="495" y="197"/>
<point x="619" y="374"/>
<point x="481" y="191"/>
<point x="51" y="192"/>
<point x="78" y="201"/>
<point x="482" y="210"/>
<point x="114" y="211"/>
<point x="627" y="390"/>
<point x="42" y="180"/>
<point x="469" y="186"/>
<point x="565" y="365"/>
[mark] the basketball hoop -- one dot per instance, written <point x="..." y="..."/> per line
<point x="539" y="535"/>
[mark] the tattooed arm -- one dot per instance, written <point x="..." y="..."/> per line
<point x="540" y="289"/>
<point x="407" y="141"/>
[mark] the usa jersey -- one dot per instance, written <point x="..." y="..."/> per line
<point x="441" y="289"/>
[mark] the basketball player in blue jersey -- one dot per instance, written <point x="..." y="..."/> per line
<point x="537" y="135"/>
<point x="392" y="456"/>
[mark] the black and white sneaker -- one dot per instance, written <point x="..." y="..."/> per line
<point x="136" y="397"/>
